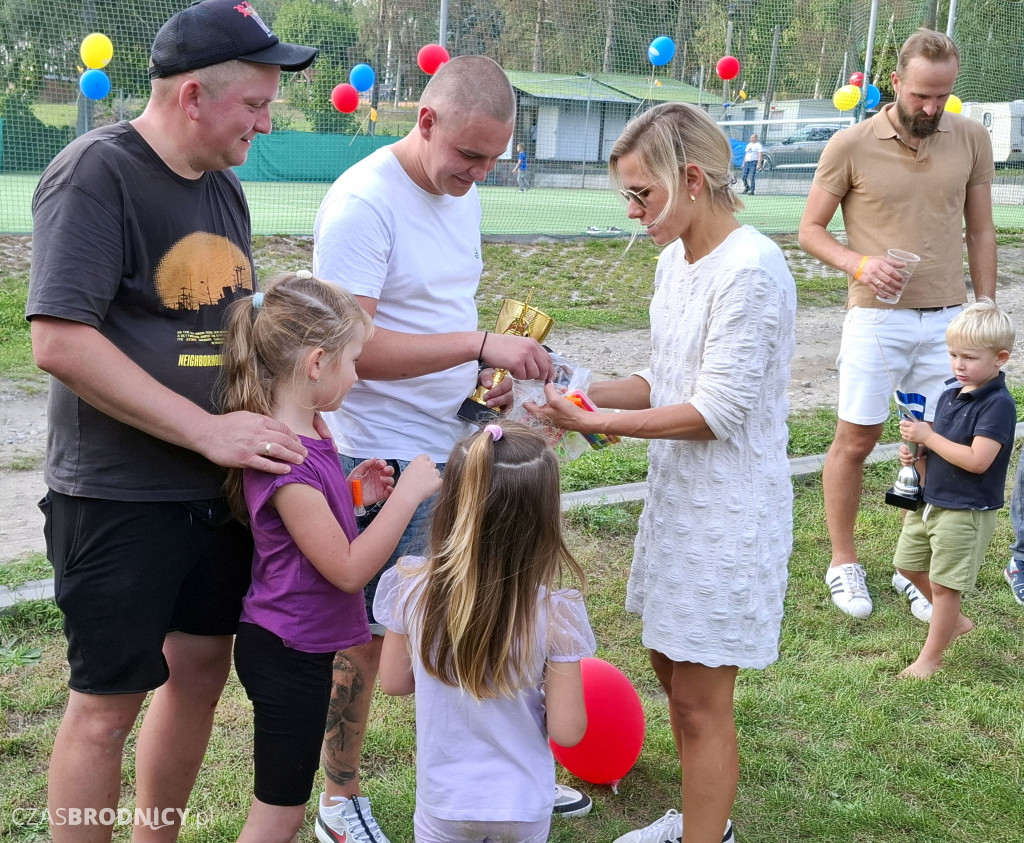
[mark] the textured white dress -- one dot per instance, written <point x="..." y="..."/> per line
<point x="711" y="557"/>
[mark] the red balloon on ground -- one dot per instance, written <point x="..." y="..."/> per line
<point x="857" y="78"/>
<point x="431" y="57"/>
<point x="728" y="67"/>
<point x="345" y="98"/>
<point x="615" y="726"/>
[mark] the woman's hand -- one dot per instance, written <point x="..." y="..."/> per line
<point x="558" y="411"/>
<point x="377" y="479"/>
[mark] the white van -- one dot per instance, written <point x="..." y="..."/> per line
<point x="1005" y="124"/>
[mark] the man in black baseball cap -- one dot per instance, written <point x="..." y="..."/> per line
<point x="215" y="31"/>
<point x="141" y="240"/>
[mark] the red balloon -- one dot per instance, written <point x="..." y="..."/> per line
<point x="728" y="67"/>
<point x="345" y="98"/>
<point x="615" y="726"/>
<point x="431" y="57"/>
<point x="857" y="78"/>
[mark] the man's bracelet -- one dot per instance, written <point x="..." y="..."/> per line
<point x="480" y="355"/>
<point x="860" y="269"/>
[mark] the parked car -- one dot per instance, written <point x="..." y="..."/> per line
<point x="801" y="150"/>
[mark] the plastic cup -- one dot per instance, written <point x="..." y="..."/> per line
<point x="910" y="261"/>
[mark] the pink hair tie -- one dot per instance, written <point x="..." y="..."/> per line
<point x="495" y="431"/>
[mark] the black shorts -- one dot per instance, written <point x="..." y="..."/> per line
<point x="290" y="691"/>
<point x="128" y="572"/>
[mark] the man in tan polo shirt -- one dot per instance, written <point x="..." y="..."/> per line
<point x="912" y="178"/>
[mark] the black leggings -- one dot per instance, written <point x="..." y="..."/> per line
<point x="290" y="691"/>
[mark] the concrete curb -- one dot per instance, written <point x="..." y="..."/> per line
<point x="798" y="467"/>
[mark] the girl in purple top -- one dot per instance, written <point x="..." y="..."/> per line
<point x="291" y="353"/>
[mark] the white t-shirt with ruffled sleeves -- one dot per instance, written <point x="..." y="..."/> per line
<point x="463" y="744"/>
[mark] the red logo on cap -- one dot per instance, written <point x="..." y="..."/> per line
<point x="248" y="11"/>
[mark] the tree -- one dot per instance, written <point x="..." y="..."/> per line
<point x="330" y="26"/>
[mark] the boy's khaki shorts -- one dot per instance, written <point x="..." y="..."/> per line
<point x="949" y="544"/>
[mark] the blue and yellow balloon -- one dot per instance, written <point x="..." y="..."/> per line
<point x="94" y="84"/>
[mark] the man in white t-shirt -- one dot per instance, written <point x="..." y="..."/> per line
<point x="401" y="231"/>
<point x="753" y="157"/>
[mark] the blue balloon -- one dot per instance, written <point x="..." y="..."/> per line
<point x="95" y="84"/>
<point x="872" y="97"/>
<point x="362" y="77"/>
<point x="661" y="51"/>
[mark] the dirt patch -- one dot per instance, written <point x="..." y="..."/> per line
<point x="608" y="354"/>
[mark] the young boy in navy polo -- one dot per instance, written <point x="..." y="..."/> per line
<point x="967" y="453"/>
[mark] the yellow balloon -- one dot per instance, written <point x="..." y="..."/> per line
<point x="954" y="105"/>
<point x="846" y="97"/>
<point x="96" y="50"/>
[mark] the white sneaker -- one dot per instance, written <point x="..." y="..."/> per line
<point x="669" y="829"/>
<point x="570" y="802"/>
<point x="347" y="821"/>
<point x="920" y="608"/>
<point x="849" y="589"/>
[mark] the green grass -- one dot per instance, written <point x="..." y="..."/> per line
<point x="290" y="208"/>
<point x="582" y="284"/>
<point x="56" y="113"/>
<point x="33" y="566"/>
<point x="624" y="463"/>
<point x="15" y="344"/>
<point x="832" y="746"/>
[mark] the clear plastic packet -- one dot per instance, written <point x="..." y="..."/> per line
<point x="567" y="445"/>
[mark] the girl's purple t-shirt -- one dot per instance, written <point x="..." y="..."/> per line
<point x="288" y="596"/>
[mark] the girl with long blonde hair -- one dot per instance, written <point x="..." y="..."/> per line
<point x="490" y="643"/>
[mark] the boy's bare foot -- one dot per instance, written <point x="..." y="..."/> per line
<point x="920" y="670"/>
<point x="926" y="668"/>
<point x="963" y="626"/>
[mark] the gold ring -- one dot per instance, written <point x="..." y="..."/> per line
<point x="266" y="450"/>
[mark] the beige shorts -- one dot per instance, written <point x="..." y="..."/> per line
<point x="949" y="544"/>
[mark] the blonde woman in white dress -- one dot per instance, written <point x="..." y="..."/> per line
<point x="710" y="564"/>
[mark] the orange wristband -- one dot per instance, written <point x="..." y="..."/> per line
<point x="860" y="269"/>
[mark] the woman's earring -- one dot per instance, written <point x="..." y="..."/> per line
<point x="693" y="198"/>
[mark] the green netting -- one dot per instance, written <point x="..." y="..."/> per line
<point x="580" y="67"/>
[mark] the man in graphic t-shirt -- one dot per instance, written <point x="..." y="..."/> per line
<point x="141" y="239"/>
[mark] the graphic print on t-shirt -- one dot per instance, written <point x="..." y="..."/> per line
<point x="198" y="278"/>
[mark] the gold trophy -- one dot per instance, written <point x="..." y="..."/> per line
<point x="517" y="319"/>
